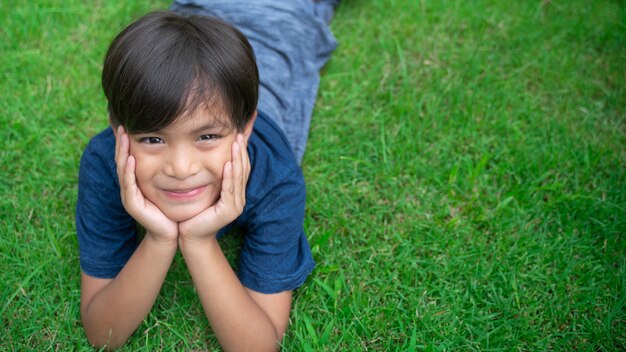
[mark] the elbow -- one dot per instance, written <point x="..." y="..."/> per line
<point x="105" y="345"/>
<point x="101" y="347"/>
<point x="278" y="341"/>
<point x="104" y="341"/>
<point x="269" y="347"/>
<point x="273" y="343"/>
<point x="102" y="334"/>
<point x="259" y="343"/>
<point x="280" y="336"/>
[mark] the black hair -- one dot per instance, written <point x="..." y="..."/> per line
<point x="166" y="65"/>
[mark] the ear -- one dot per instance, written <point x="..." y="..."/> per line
<point x="247" y="129"/>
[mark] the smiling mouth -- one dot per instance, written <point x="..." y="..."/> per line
<point x="183" y="194"/>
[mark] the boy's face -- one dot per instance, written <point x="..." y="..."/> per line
<point x="179" y="168"/>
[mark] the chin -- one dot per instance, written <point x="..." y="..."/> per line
<point x="180" y="215"/>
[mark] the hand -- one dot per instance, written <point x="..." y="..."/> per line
<point x="232" y="198"/>
<point x="141" y="209"/>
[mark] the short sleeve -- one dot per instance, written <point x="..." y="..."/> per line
<point x="275" y="255"/>
<point x="107" y="235"/>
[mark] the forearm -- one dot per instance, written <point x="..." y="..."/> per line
<point x="116" y="311"/>
<point x="238" y="322"/>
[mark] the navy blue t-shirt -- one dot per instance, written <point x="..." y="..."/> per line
<point x="275" y="255"/>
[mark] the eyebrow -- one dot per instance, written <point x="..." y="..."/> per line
<point x="210" y="126"/>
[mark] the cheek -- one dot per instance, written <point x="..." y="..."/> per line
<point x="216" y="161"/>
<point x="215" y="168"/>
<point x="144" y="168"/>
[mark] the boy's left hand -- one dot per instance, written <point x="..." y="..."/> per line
<point x="231" y="202"/>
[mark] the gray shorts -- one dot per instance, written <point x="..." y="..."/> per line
<point x="291" y="41"/>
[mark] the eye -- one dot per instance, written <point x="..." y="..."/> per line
<point x="208" y="137"/>
<point x="151" y="140"/>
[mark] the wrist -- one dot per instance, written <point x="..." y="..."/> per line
<point x="196" y="244"/>
<point x="161" y="241"/>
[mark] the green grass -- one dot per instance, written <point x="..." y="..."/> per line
<point x="465" y="170"/>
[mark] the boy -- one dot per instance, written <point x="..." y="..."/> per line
<point x="188" y="155"/>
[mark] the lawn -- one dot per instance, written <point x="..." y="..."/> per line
<point x="466" y="174"/>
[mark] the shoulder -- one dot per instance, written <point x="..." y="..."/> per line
<point x="269" y="141"/>
<point x="97" y="178"/>
<point x="275" y="254"/>
<point x="273" y="164"/>
<point x="100" y="151"/>
<point x="276" y="184"/>
<point x="106" y="233"/>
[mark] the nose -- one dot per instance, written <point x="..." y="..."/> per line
<point x="181" y="163"/>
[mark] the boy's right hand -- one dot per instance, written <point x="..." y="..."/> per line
<point x="147" y="214"/>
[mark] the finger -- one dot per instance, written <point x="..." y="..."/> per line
<point x="242" y="152"/>
<point x="237" y="167"/>
<point x="122" y="153"/>
<point x="129" y="173"/>
<point x="226" y="195"/>
<point x="118" y="137"/>
<point x="131" y="191"/>
<point x="245" y="167"/>
<point x="132" y="198"/>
